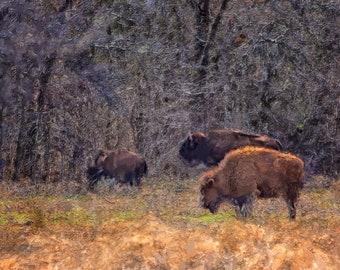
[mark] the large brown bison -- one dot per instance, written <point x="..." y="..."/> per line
<point x="249" y="172"/>
<point x="211" y="149"/>
<point x="121" y="165"/>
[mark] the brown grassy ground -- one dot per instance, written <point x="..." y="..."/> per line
<point x="160" y="226"/>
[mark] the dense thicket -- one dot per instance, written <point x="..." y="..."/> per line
<point x="80" y="75"/>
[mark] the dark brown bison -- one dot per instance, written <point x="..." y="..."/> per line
<point x="212" y="148"/>
<point x="249" y="172"/>
<point x="121" y="165"/>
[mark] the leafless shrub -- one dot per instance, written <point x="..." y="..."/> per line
<point x="78" y="76"/>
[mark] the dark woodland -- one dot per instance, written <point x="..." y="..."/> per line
<point x="76" y="76"/>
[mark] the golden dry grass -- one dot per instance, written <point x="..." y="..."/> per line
<point x="160" y="226"/>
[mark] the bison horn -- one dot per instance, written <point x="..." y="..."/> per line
<point x="210" y="182"/>
<point x="189" y="136"/>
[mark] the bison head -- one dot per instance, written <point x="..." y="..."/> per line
<point x="101" y="156"/>
<point x="210" y="197"/>
<point x="94" y="173"/>
<point x="194" y="149"/>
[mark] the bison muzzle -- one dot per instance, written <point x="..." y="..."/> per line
<point x="250" y="172"/>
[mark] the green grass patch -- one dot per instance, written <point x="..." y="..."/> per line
<point x="208" y="218"/>
<point x="79" y="197"/>
<point x="15" y="218"/>
<point x="126" y="216"/>
<point x="330" y="205"/>
<point x="3" y="220"/>
<point x="76" y="216"/>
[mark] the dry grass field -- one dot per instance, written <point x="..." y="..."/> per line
<point x="160" y="226"/>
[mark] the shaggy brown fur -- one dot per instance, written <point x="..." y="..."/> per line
<point x="122" y="165"/>
<point x="249" y="172"/>
<point x="212" y="148"/>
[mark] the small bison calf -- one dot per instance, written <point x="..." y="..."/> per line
<point x="119" y="164"/>
<point x="249" y="172"/>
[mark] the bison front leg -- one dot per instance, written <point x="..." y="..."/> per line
<point x="92" y="183"/>
<point x="291" y="209"/>
<point x="112" y="183"/>
<point x="291" y="201"/>
<point x="244" y="205"/>
<point x="94" y="178"/>
<point x="129" y="177"/>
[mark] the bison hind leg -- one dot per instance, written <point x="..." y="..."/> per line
<point x="244" y="205"/>
<point x="129" y="177"/>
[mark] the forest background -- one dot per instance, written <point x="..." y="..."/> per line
<point x="77" y="76"/>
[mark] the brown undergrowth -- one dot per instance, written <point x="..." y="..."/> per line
<point x="160" y="226"/>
